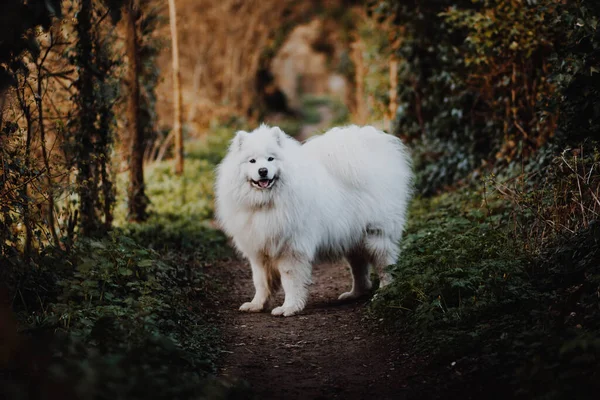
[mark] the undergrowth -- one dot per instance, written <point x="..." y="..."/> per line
<point x="486" y="311"/>
<point x="125" y="316"/>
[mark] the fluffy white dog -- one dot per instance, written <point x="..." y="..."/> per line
<point x="343" y="194"/>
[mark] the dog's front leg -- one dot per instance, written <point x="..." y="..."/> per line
<point x="261" y="287"/>
<point x="295" y="278"/>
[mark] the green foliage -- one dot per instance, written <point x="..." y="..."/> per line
<point x="376" y="52"/>
<point x="507" y="46"/>
<point x="432" y="95"/>
<point x="457" y="262"/>
<point x="150" y="22"/>
<point x="116" y="281"/>
<point x="212" y="148"/>
<point x="576" y="72"/>
<point x="483" y="83"/>
<point x="131" y="311"/>
<point x="470" y="296"/>
<point x="312" y="115"/>
<point x="181" y="206"/>
<point x="131" y="321"/>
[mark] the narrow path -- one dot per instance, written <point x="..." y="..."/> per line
<point x="331" y="350"/>
<point x="307" y="131"/>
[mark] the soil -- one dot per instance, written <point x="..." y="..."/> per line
<point x="330" y="350"/>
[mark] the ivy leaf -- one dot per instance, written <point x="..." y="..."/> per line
<point x="97" y="244"/>
<point x="146" y="263"/>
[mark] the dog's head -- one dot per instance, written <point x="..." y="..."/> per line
<point x="257" y="167"/>
<point x="260" y="155"/>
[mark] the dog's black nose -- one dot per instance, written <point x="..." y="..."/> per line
<point x="263" y="172"/>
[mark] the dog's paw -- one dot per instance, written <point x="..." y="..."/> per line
<point x="349" y="296"/>
<point x="286" y="311"/>
<point x="352" y="295"/>
<point x="251" y="307"/>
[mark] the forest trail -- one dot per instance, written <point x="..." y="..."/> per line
<point x="326" y="114"/>
<point x="331" y="350"/>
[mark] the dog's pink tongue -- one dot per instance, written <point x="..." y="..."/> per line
<point x="263" y="183"/>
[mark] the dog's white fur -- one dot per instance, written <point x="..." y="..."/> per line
<point x="343" y="194"/>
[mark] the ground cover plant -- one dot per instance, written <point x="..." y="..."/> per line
<point x="126" y="315"/>
<point x="489" y="312"/>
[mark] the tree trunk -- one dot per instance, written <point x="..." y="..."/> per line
<point x="177" y="103"/>
<point x="361" y="107"/>
<point x="393" y="106"/>
<point x="85" y="181"/>
<point x="136" y="195"/>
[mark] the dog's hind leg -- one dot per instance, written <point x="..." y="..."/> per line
<point x="266" y="283"/>
<point x="361" y="284"/>
<point x="382" y="251"/>
<point x="295" y="278"/>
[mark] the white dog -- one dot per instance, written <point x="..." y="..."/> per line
<point x="343" y="194"/>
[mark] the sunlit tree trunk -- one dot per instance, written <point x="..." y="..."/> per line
<point x="361" y="107"/>
<point x="136" y="194"/>
<point x="393" y="106"/>
<point x="177" y="103"/>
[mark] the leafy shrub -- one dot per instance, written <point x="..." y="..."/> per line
<point x="484" y="83"/>
<point x="457" y="262"/>
<point x="117" y="280"/>
<point x="471" y="298"/>
<point x="131" y="327"/>
<point x="575" y="72"/>
<point x="127" y="312"/>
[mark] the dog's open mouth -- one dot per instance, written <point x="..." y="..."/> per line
<point x="263" y="183"/>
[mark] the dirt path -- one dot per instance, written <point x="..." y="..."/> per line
<point x="307" y="131"/>
<point x="331" y="350"/>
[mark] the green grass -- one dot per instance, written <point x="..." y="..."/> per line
<point x="132" y="310"/>
<point x="482" y="310"/>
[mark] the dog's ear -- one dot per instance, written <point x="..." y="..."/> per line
<point x="279" y="135"/>
<point x="237" y="141"/>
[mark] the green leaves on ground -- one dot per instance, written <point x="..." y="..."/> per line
<point x="470" y="297"/>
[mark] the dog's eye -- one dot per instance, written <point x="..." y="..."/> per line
<point x="252" y="161"/>
<point x="270" y="159"/>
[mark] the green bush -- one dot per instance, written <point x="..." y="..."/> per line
<point x="128" y="311"/>
<point x="457" y="262"/>
<point x="483" y="310"/>
<point x="485" y="83"/>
